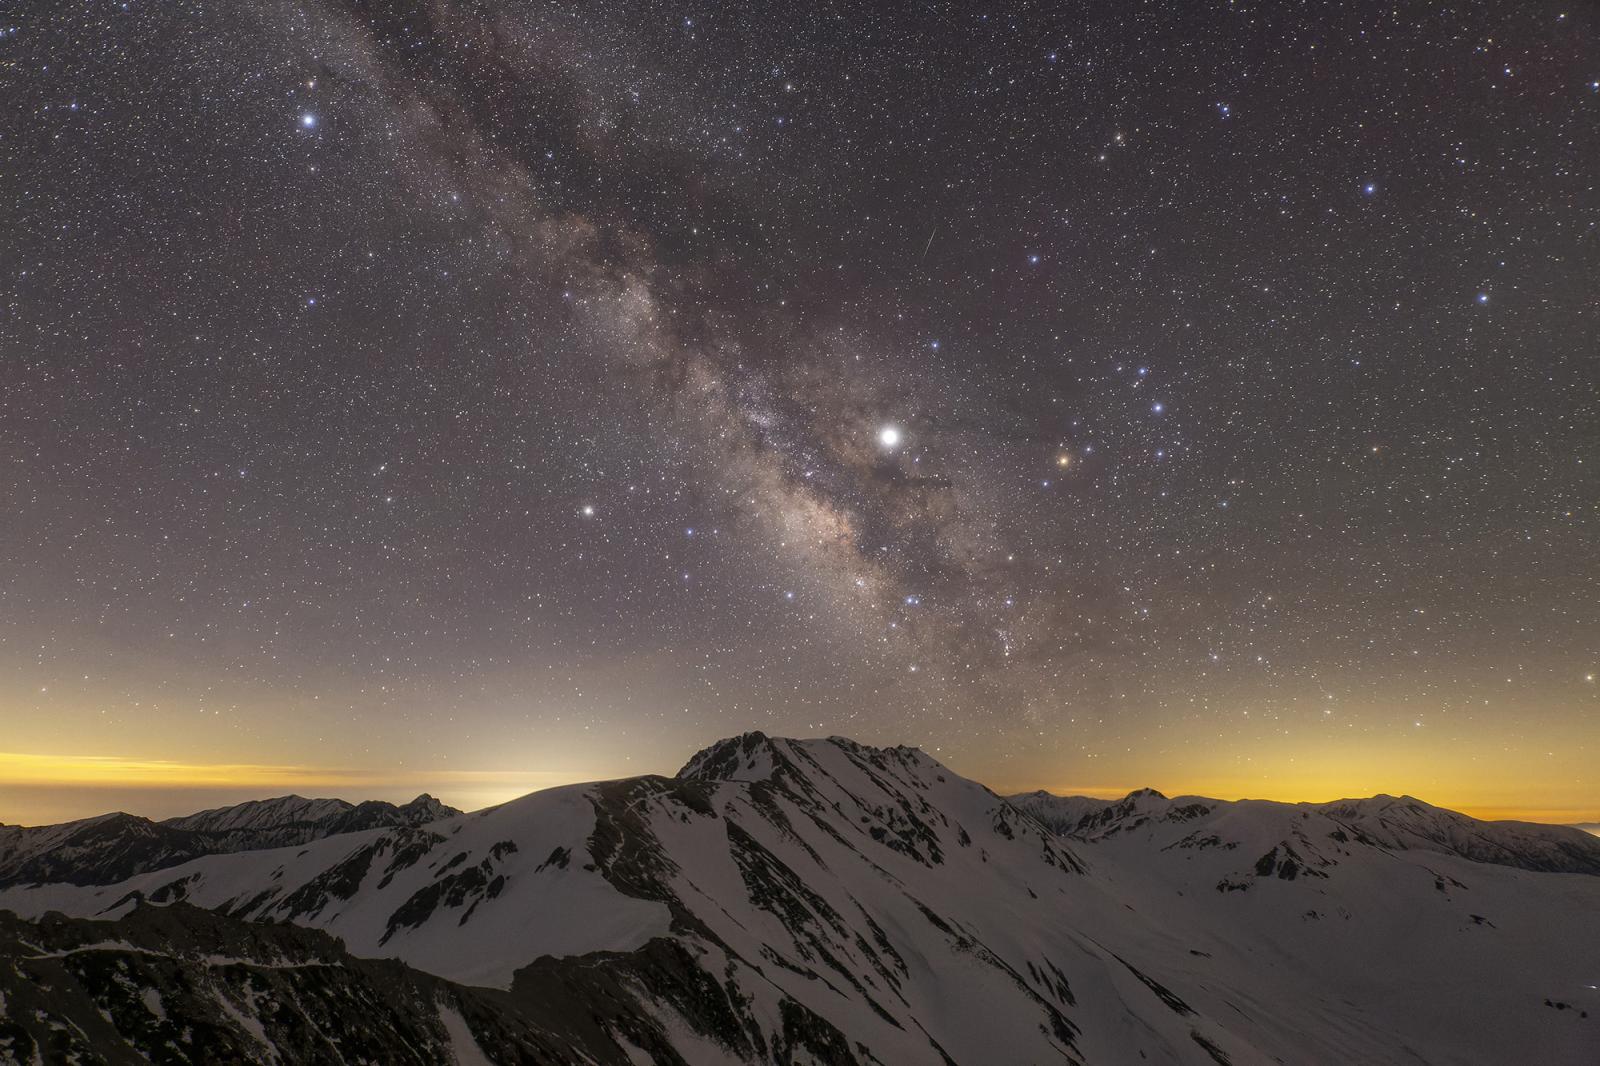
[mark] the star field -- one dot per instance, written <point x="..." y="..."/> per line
<point x="1196" y="395"/>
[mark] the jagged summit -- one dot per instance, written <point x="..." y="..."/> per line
<point x="755" y="756"/>
<point x="732" y="758"/>
<point x="424" y="808"/>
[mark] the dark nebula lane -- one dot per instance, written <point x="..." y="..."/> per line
<point x="467" y="396"/>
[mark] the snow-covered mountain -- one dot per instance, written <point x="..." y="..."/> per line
<point x="822" y="901"/>
<point x="296" y="814"/>
<point x="102" y="850"/>
<point x="1384" y="822"/>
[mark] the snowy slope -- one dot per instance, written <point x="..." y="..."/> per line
<point x="408" y="891"/>
<point x="111" y="847"/>
<point x="331" y="815"/>
<point x="1410" y="823"/>
<point x="259" y="814"/>
<point x="1445" y="931"/>
<point x="1386" y="822"/>
<point x="820" y="900"/>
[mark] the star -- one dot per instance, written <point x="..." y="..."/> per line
<point x="730" y="297"/>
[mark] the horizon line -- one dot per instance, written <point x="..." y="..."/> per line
<point x="476" y="789"/>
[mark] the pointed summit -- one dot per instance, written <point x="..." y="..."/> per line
<point x="751" y="756"/>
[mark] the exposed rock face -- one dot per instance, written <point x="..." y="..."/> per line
<point x="182" y="985"/>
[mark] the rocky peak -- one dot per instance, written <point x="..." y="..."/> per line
<point x="749" y="756"/>
<point x="425" y="808"/>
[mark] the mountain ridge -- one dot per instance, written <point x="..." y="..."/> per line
<point x="782" y="900"/>
<point x="1397" y="822"/>
<point x="109" y="847"/>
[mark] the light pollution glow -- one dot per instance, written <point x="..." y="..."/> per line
<point x="542" y="429"/>
<point x="40" y="788"/>
<point x="37" y="788"/>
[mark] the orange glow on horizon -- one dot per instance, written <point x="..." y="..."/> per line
<point x="471" y="789"/>
<point x="1487" y="813"/>
<point x="1487" y="777"/>
<point x="1321" y="793"/>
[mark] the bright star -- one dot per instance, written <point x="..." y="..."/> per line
<point x="588" y="510"/>
<point x="889" y="436"/>
<point x="1158" y="407"/>
<point x="308" y="121"/>
<point x="1483" y="297"/>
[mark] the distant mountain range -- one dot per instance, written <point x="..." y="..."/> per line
<point x="99" y="851"/>
<point x="817" y="901"/>
<point x="1384" y="822"/>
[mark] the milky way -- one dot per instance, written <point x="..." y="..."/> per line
<point x="1075" y="390"/>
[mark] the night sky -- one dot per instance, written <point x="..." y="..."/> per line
<point x="478" y="395"/>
